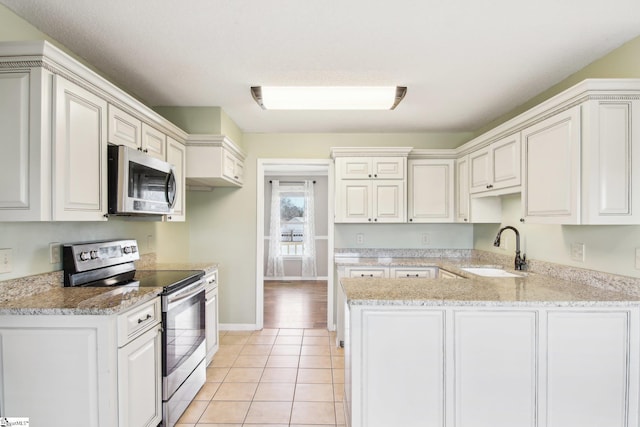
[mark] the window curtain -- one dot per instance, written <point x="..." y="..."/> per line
<point x="309" y="235"/>
<point x="275" y="266"/>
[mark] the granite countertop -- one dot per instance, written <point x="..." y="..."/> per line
<point x="45" y="293"/>
<point x="531" y="289"/>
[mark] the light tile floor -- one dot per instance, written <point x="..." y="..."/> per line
<point x="274" y="378"/>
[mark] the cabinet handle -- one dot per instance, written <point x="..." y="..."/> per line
<point x="413" y="275"/>
<point x="366" y="275"/>
<point x="146" y="318"/>
<point x="236" y="177"/>
<point x="145" y="150"/>
<point x="490" y="186"/>
<point x="169" y="218"/>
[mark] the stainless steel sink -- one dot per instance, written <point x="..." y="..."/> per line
<point x="489" y="272"/>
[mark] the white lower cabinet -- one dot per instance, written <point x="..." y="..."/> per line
<point x="492" y="367"/>
<point x="140" y="380"/>
<point x="211" y="315"/>
<point x="83" y="370"/>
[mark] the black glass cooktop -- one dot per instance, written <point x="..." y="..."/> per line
<point x="169" y="280"/>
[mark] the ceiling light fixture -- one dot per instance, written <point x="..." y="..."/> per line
<point x="328" y="98"/>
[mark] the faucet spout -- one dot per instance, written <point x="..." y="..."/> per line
<point x="520" y="261"/>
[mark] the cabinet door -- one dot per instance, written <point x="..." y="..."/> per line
<point x="495" y="369"/>
<point x="211" y="322"/>
<point x="551" y="166"/>
<point x="400" y="368"/>
<point x="124" y="129"/>
<point x="431" y="190"/>
<point x="611" y="154"/>
<point x="80" y="154"/>
<point x="505" y="161"/>
<point x="238" y="171"/>
<point x="587" y="378"/>
<point x="389" y="201"/>
<point x="15" y="101"/>
<point x="480" y="170"/>
<point x="176" y="155"/>
<point x="154" y="142"/>
<point x="388" y="167"/>
<point x="140" y="381"/>
<point x="354" y="168"/>
<point x="462" y="189"/>
<point x="353" y="203"/>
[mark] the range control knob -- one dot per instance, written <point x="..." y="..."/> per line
<point x="127" y="249"/>
<point x="84" y="256"/>
<point x="94" y="254"/>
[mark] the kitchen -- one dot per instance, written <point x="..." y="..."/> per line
<point x="227" y="213"/>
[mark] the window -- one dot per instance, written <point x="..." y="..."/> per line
<point x="292" y="224"/>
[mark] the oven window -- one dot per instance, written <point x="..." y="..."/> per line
<point x="147" y="184"/>
<point x="184" y="331"/>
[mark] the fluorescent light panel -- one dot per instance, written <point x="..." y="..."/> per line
<point x="328" y="97"/>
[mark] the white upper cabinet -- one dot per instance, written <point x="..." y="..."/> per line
<point x="154" y="142"/>
<point x="588" y="178"/>
<point x="177" y="156"/>
<point x="56" y="121"/>
<point x="80" y="154"/>
<point x="611" y="162"/>
<point x="371" y="189"/>
<point x="462" y="189"/>
<point x="124" y="129"/>
<point x="214" y="161"/>
<point x="551" y="161"/>
<point x="371" y="167"/>
<point x="431" y="190"/>
<point x="496" y="166"/>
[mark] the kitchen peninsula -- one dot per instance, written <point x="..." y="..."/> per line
<point x="528" y="350"/>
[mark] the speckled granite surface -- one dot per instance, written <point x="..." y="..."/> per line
<point x="544" y="284"/>
<point x="45" y="293"/>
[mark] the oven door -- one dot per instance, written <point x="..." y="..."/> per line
<point x="183" y="336"/>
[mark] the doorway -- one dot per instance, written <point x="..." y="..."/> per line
<point x="289" y="296"/>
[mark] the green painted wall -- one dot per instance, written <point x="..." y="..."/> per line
<point x="204" y="120"/>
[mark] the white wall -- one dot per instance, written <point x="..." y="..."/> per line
<point x="609" y="248"/>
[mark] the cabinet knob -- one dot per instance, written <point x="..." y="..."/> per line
<point x="376" y="219"/>
<point x="489" y="186"/>
<point x="145" y="150"/>
<point x="522" y="220"/>
<point x="169" y="218"/>
<point x="369" y="175"/>
<point x="410" y="219"/>
<point x="375" y="175"/>
<point x="369" y="219"/>
<point x="465" y="220"/>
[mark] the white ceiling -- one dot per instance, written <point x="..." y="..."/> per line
<point x="464" y="62"/>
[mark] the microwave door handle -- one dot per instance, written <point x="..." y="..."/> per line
<point x="171" y="183"/>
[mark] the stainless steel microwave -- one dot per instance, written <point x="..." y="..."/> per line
<point x="139" y="183"/>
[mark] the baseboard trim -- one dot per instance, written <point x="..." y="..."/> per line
<point x="237" y="327"/>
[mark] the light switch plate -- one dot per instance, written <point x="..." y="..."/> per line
<point x="6" y="261"/>
<point x="54" y="253"/>
<point x="426" y="239"/>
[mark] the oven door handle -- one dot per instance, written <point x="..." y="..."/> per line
<point x="175" y="298"/>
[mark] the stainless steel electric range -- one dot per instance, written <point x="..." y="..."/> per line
<point x="111" y="263"/>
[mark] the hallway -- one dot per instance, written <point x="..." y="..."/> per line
<point x="295" y="304"/>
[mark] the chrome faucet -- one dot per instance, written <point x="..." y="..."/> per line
<point x="520" y="262"/>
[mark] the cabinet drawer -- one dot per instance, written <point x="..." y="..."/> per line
<point x="211" y="281"/>
<point x="368" y="272"/>
<point x="413" y="273"/>
<point x="137" y="320"/>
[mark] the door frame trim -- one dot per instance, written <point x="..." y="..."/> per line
<point x="271" y="165"/>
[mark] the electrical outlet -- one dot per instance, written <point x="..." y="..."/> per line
<point x="54" y="252"/>
<point x="577" y="252"/>
<point x="426" y="239"/>
<point x="637" y="258"/>
<point x="6" y="260"/>
<point x="151" y="243"/>
<point x="360" y="238"/>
